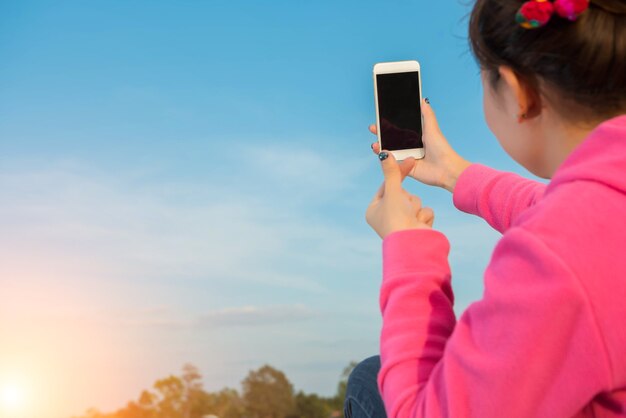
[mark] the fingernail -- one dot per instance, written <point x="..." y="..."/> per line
<point x="372" y="145"/>
<point x="383" y="156"/>
<point x="426" y="100"/>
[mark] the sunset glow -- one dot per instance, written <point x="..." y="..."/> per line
<point x="12" y="400"/>
<point x="186" y="182"/>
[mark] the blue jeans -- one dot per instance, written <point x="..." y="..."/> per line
<point x="362" y="397"/>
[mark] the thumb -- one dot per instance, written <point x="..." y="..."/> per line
<point x="431" y="125"/>
<point x="406" y="166"/>
<point x="426" y="215"/>
<point x="391" y="171"/>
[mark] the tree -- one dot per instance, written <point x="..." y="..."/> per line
<point x="225" y="404"/>
<point x="93" y="413"/>
<point x="311" y="406"/>
<point x="268" y="394"/>
<point x="134" y="410"/>
<point x="195" y="400"/>
<point x="173" y="397"/>
<point x="170" y="397"/>
<point x="147" y="403"/>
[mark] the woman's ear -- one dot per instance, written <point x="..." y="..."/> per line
<point x="525" y="95"/>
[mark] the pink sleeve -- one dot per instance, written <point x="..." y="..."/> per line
<point x="496" y="196"/>
<point x="529" y="348"/>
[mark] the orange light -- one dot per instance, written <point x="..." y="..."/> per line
<point x="12" y="398"/>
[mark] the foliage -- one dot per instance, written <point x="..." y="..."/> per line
<point x="266" y="393"/>
<point x="225" y="404"/>
<point x="311" y="406"/>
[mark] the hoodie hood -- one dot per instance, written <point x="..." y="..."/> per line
<point x="600" y="158"/>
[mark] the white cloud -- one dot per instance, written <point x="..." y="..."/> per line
<point x="255" y="316"/>
<point x="304" y="171"/>
<point x="78" y="221"/>
<point x="143" y="260"/>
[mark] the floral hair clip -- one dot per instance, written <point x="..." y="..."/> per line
<point x="536" y="13"/>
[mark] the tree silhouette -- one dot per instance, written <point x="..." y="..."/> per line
<point x="311" y="406"/>
<point x="195" y="398"/>
<point x="225" y="404"/>
<point x="268" y="394"/>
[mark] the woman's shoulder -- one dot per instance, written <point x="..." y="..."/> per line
<point x="580" y="216"/>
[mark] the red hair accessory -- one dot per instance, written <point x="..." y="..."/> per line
<point x="570" y="9"/>
<point x="536" y="13"/>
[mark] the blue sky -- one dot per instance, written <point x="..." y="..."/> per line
<point x="187" y="181"/>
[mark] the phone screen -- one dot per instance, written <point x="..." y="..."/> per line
<point x="399" y="110"/>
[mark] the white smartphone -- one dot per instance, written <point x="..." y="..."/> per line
<point x="398" y="97"/>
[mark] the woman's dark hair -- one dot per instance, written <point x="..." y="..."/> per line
<point x="582" y="64"/>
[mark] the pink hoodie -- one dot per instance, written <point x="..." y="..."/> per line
<point x="548" y="338"/>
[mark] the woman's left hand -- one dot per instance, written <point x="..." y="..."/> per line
<point x="393" y="208"/>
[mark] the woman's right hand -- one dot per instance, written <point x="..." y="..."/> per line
<point x="441" y="165"/>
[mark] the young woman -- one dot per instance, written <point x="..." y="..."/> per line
<point x="548" y="338"/>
